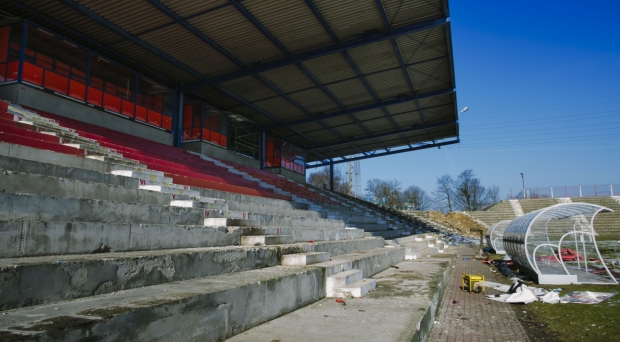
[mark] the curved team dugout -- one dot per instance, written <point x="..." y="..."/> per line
<point x="558" y="244"/>
<point x="495" y="236"/>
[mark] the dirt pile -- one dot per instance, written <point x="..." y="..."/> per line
<point x="455" y="220"/>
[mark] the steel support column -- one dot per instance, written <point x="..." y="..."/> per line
<point x="177" y="119"/>
<point x="261" y="147"/>
<point x="331" y="175"/>
<point x="22" y="52"/>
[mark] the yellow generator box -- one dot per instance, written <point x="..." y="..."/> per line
<point x="472" y="283"/>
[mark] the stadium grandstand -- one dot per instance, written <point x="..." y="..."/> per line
<point x="154" y="155"/>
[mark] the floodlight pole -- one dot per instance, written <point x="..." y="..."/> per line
<point x="523" y="181"/>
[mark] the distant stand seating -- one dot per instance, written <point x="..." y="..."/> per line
<point x="54" y="64"/>
<point x="183" y="167"/>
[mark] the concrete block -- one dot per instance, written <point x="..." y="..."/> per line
<point x="341" y="279"/>
<point x="169" y="190"/>
<point x="141" y="175"/>
<point x="303" y="259"/>
<point x="266" y="240"/>
<point x="356" y="290"/>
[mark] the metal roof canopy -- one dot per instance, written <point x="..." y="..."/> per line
<point x="337" y="78"/>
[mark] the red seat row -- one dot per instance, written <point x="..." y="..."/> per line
<point x="183" y="167"/>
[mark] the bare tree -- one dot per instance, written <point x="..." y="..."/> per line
<point x="321" y="177"/>
<point x="493" y="195"/>
<point x="469" y="193"/>
<point x="444" y="193"/>
<point x="415" y="197"/>
<point x="384" y="192"/>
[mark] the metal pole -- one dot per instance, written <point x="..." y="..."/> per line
<point x="552" y="192"/>
<point x="22" y="52"/>
<point x="261" y="147"/>
<point x="331" y="175"/>
<point x="580" y="194"/>
<point x="523" y="181"/>
<point x="177" y="117"/>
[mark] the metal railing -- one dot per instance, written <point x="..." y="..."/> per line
<point x="595" y="190"/>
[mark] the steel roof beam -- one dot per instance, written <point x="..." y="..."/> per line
<point x="401" y="60"/>
<point x="254" y="21"/>
<point x="387" y="153"/>
<point x="368" y="38"/>
<point x="382" y="135"/>
<point x="90" y="40"/>
<point x="116" y="29"/>
<point x="359" y="74"/>
<point x="196" y="32"/>
<point x="387" y="103"/>
<point x="162" y="26"/>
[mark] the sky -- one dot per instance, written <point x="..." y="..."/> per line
<point x="541" y="80"/>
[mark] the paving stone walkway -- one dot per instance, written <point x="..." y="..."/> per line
<point x="473" y="317"/>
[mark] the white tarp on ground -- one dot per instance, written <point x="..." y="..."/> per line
<point x="521" y="293"/>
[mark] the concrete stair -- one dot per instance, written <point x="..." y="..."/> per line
<point x="89" y="251"/>
<point x="304" y="259"/>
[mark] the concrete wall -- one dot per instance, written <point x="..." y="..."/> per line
<point x="29" y="96"/>
<point x="290" y="175"/>
<point x="220" y="153"/>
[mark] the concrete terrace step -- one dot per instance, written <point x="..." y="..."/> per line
<point x="139" y="168"/>
<point x="40" y="185"/>
<point x="170" y="190"/>
<point x="196" y="203"/>
<point x="177" y="311"/>
<point x="269" y="209"/>
<point x="304" y="234"/>
<point x="141" y="175"/>
<point x="266" y="220"/>
<point x="47" y="208"/>
<point x="77" y="276"/>
<point x="390" y="313"/>
<point x="260" y="240"/>
<point x="58" y="171"/>
<point x="38" y="238"/>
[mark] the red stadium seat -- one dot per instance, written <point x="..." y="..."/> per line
<point x="77" y="90"/>
<point x="95" y="96"/>
<point x="112" y="103"/>
<point x="56" y="82"/>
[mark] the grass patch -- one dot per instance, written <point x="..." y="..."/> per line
<point x="580" y="322"/>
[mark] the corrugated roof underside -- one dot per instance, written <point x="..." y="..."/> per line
<point x="360" y="77"/>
